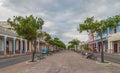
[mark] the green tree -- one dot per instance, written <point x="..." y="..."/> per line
<point x="59" y="43"/>
<point x="88" y="25"/>
<point x="56" y="42"/>
<point x="100" y="27"/>
<point x="47" y="36"/>
<point x="73" y="43"/>
<point x="70" y="46"/>
<point x="41" y="36"/>
<point x="27" y="28"/>
<point x="87" y="48"/>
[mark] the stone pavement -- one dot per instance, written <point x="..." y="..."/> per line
<point x="64" y="62"/>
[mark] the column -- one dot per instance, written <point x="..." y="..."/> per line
<point x="118" y="47"/>
<point x="21" y="47"/>
<point x="4" y="45"/>
<point x="97" y="46"/>
<point x="30" y="46"/>
<point x="109" y="47"/>
<point x="25" y="45"/>
<point x="38" y="46"/>
<point x="14" y="45"/>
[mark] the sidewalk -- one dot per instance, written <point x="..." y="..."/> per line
<point x="12" y="55"/>
<point x="64" y="62"/>
<point x="114" y="54"/>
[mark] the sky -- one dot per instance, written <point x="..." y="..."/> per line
<point x="61" y="17"/>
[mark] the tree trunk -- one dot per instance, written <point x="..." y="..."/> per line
<point x="93" y="42"/>
<point x="102" y="52"/>
<point x="33" y="54"/>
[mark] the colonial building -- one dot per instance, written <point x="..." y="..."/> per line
<point x="111" y="40"/>
<point x="11" y="43"/>
<point x="114" y="40"/>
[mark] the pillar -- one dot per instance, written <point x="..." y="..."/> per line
<point x="118" y="47"/>
<point x="30" y="46"/>
<point x="97" y="46"/>
<point x="5" y="45"/>
<point x="109" y="47"/>
<point x="14" y="45"/>
<point x="112" y="50"/>
<point x="21" y="47"/>
<point x="38" y="46"/>
<point x="25" y="46"/>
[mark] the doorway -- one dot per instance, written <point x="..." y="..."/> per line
<point x="115" y="48"/>
<point x="7" y="47"/>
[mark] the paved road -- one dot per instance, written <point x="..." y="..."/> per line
<point x="112" y="58"/>
<point x="63" y="62"/>
<point x="14" y="60"/>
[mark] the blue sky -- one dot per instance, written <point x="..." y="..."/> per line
<point x="61" y="16"/>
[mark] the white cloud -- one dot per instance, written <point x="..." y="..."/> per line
<point x="50" y="25"/>
<point x="6" y="13"/>
<point x="61" y="16"/>
<point x="74" y="34"/>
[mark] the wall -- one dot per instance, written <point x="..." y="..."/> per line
<point x="119" y="46"/>
<point x="1" y="45"/>
<point x="10" y="45"/>
<point x="118" y="29"/>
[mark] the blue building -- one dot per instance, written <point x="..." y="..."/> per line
<point x="111" y="40"/>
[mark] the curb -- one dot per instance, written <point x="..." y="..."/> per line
<point x="4" y="57"/>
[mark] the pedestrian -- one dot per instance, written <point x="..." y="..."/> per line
<point x="90" y="54"/>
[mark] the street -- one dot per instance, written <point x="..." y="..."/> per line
<point x="63" y="62"/>
<point x="14" y="60"/>
<point x="111" y="57"/>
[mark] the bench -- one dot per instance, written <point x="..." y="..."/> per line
<point x="94" y="56"/>
<point x="40" y="56"/>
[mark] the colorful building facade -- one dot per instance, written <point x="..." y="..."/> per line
<point x="111" y="40"/>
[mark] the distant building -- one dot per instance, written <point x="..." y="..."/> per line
<point x="91" y="40"/>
